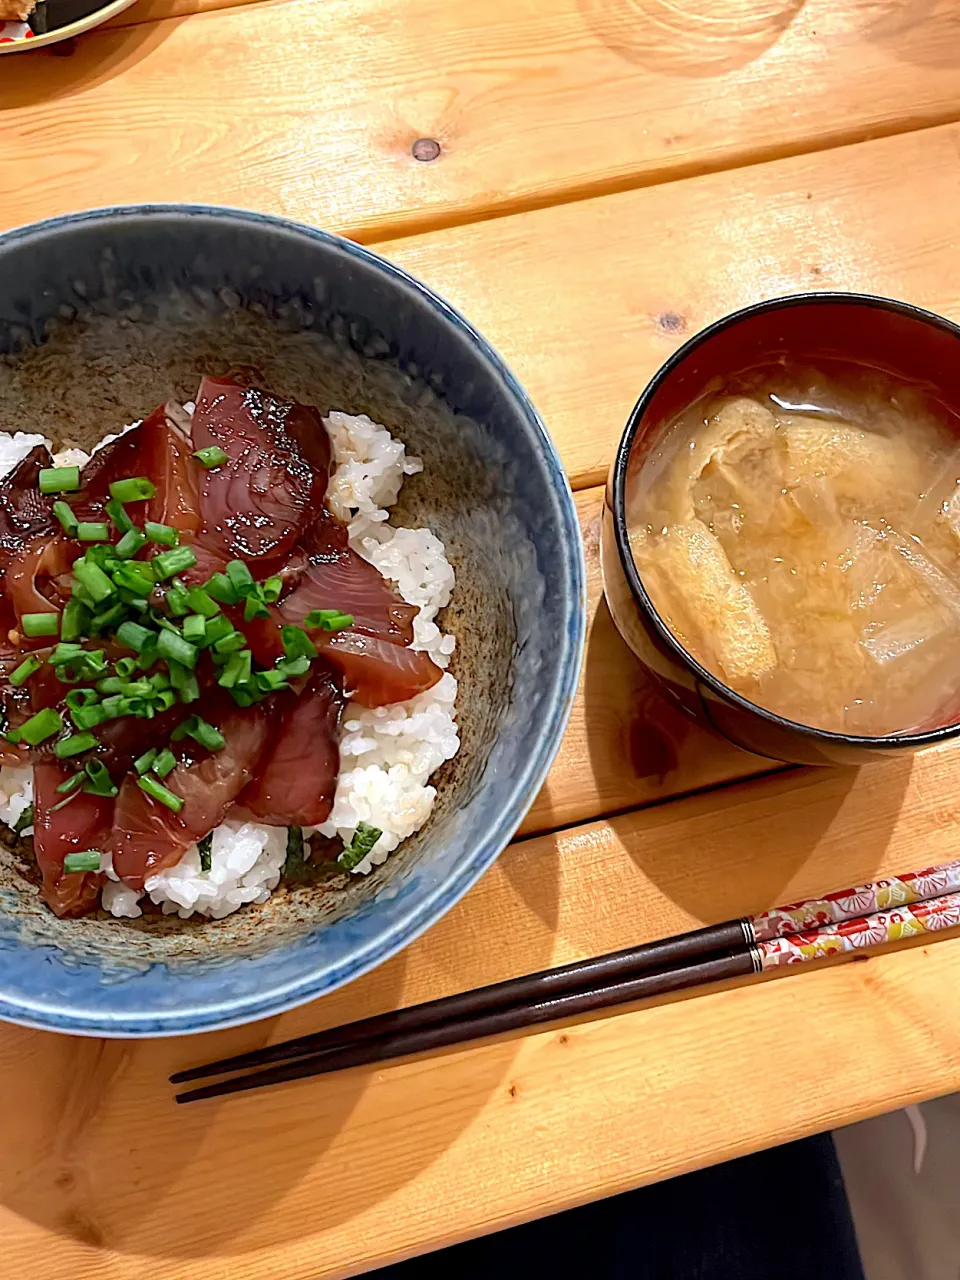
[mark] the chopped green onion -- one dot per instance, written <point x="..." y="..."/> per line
<point x="241" y="579"/>
<point x="25" y="820"/>
<point x="167" y="563"/>
<point x="165" y="699"/>
<point x="206" y="734"/>
<point x="118" y="515"/>
<point x="25" y="670"/>
<point x="271" y="681"/>
<point x="270" y="590"/>
<point x="93" y="531"/>
<point x="137" y="688"/>
<point x="59" y="479"/>
<point x="64" y="513"/>
<point x="93" y="580"/>
<point x="184" y="681"/>
<point x="216" y="629"/>
<point x="211" y="456"/>
<point x="163" y="534"/>
<point x="164" y="623"/>
<point x="106" y="619"/>
<point x="170" y="645"/>
<point x="74" y="745"/>
<point x="364" y="838"/>
<point x="12" y="735"/>
<point x="245" y="695"/>
<point x="116" y="705"/>
<point x="222" y="589"/>
<point x="254" y="608"/>
<point x="164" y="762"/>
<point x="237" y="670"/>
<point x="125" y="667"/>
<point x="135" y="577"/>
<point x="289" y="667"/>
<point x="295" y="860"/>
<point x="177" y="601"/>
<point x="74" y="621"/>
<point x="111" y="684"/>
<point x="40" y="624"/>
<point x="63" y="803"/>
<point x="133" y="636"/>
<point x="99" y="782"/>
<point x="231" y="642"/>
<point x="81" y="698"/>
<point x="132" y="489"/>
<point x="89" y="860"/>
<point x="88" y="717"/>
<point x="195" y="628"/>
<point x="130" y="544"/>
<point x="328" y="619"/>
<point x="296" y="643"/>
<point x="75" y="780"/>
<point x="144" y="762"/>
<point x="148" y="654"/>
<point x="204" y="848"/>
<point x="64" y="652"/>
<point x="200" y="602"/>
<point x="159" y="792"/>
<point x="43" y="725"/>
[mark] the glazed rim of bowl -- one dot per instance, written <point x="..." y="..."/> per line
<point x="723" y="691"/>
<point x="365" y="956"/>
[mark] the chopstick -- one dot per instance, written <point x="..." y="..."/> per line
<point x="732" y="949"/>
<point x="494" y="1022"/>
<point x="531" y="988"/>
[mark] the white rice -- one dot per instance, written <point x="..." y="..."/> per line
<point x="387" y="754"/>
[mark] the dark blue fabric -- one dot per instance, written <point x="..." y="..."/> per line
<point x="778" y="1215"/>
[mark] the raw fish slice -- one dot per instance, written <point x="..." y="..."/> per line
<point x="81" y="825"/>
<point x="24" y="511"/>
<point x="147" y="836"/>
<point x="298" y="776"/>
<point x="256" y="504"/>
<point x="703" y="601"/>
<point x="353" y="586"/>
<point x="156" y="449"/>
<point x="41" y="560"/>
<point x="377" y="673"/>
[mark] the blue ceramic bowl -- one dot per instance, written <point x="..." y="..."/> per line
<point x="105" y="314"/>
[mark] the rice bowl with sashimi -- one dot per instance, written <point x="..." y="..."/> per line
<point x="387" y="759"/>
<point x="241" y="669"/>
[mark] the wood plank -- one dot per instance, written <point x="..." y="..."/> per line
<point x="585" y="328"/>
<point x="531" y="102"/>
<point x="99" y="1170"/>
<point x="626" y="744"/>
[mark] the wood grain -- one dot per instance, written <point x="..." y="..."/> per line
<point x="100" y="1172"/>
<point x="531" y="102"/>
<point x="626" y="744"/>
<point x="585" y="301"/>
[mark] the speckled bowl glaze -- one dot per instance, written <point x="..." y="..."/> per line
<point x="105" y="314"/>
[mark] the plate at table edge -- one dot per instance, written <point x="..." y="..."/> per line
<point x="21" y="42"/>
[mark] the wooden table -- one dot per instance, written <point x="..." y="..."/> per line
<point x="611" y="176"/>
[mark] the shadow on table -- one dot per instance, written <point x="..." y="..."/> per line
<point x="106" y="1158"/>
<point x="924" y="32"/>
<point x="73" y="66"/>
<point x="740" y="846"/>
<point x="698" y="38"/>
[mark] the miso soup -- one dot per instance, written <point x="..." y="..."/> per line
<point x="798" y="530"/>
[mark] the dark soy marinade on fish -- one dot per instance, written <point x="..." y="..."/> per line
<point x="181" y="624"/>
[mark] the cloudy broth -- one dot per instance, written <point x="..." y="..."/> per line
<point x="798" y="529"/>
